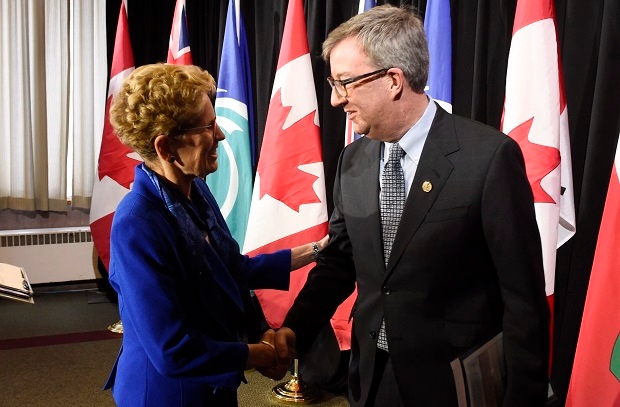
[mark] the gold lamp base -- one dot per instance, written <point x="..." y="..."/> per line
<point x="295" y="391"/>
<point x="116" y="327"/>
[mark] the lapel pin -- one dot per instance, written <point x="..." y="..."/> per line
<point x="427" y="186"/>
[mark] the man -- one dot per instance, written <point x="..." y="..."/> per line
<point x="465" y="262"/>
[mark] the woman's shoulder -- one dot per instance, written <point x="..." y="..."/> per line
<point x="143" y="213"/>
<point x="137" y="205"/>
<point x="141" y="221"/>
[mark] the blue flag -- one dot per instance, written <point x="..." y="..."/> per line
<point x="231" y="184"/>
<point x="366" y="5"/>
<point x="438" y="28"/>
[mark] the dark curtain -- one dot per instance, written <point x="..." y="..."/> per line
<point x="589" y="36"/>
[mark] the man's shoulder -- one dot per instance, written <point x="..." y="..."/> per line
<point x="472" y="132"/>
<point x="452" y="132"/>
<point x="471" y="125"/>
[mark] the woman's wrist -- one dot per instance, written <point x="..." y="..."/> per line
<point x="261" y="354"/>
<point x="301" y="256"/>
<point x="315" y="250"/>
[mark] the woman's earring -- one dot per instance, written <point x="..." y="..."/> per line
<point x="171" y="159"/>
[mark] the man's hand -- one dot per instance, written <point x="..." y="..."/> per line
<point x="283" y="343"/>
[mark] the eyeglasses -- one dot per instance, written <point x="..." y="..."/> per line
<point x="208" y="126"/>
<point x="174" y="133"/>
<point x="340" y="86"/>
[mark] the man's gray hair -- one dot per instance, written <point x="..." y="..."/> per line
<point x="391" y="37"/>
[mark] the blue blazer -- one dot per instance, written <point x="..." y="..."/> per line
<point x="181" y="342"/>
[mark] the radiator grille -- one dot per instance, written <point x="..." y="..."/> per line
<point x="44" y="237"/>
<point x="51" y="255"/>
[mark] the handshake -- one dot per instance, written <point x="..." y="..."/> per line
<point x="273" y="355"/>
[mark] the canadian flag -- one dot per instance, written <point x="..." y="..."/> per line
<point x="535" y="116"/>
<point x="178" y="49"/>
<point x="288" y="206"/>
<point x="116" y="161"/>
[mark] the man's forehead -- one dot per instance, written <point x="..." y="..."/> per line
<point x="347" y="58"/>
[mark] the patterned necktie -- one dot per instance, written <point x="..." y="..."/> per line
<point x="392" y="203"/>
<point x="392" y="198"/>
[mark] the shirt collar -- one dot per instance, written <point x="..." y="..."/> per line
<point x="413" y="140"/>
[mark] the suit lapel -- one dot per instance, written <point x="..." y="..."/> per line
<point x="434" y="168"/>
<point x="370" y="168"/>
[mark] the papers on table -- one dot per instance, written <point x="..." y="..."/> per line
<point x="14" y="283"/>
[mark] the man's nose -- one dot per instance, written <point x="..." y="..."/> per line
<point x="337" y="100"/>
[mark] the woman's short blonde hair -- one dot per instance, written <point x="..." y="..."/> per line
<point x="159" y="99"/>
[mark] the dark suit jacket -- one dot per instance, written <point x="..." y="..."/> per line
<point x="465" y="264"/>
<point x="180" y="346"/>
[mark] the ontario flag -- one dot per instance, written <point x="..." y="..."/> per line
<point x="116" y="161"/>
<point x="231" y="184"/>
<point x="288" y="206"/>
<point x="595" y="379"/>
<point x="535" y="115"/>
<point x="349" y="134"/>
<point x="178" y="48"/>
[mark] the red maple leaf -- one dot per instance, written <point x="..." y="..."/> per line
<point x="113" y="157"/>
<point x="283" y="151"/>
<point x="539" y="160"/>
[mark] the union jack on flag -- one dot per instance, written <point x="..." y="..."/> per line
<point x="178" y="48"/>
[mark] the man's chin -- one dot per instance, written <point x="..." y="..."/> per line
<point x="371" y="136"/>
<point x="359" y="129"/>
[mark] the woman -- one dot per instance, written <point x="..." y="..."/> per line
<point x="183" y="286"/>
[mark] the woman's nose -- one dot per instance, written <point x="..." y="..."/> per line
<point x="219" y="134"/>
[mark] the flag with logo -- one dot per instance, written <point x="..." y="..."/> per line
<point x="595" y="379"/>
<point x="438" y="29"/>
<point x="231" y="184"/>
<point x="288" y="201"/>
<point x="535" y="115"/>
<point x="178" y="49"/>
<point x="349" y="134"/>
<point x="116" y="161"/>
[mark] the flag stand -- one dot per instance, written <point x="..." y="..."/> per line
<point x="295" y="390"/>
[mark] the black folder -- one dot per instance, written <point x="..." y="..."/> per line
<point x="480" y="375"/>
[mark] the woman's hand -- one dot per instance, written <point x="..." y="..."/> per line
<point x="323" y="242"/>
<point x="263" y="354"/>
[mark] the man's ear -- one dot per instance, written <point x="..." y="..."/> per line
<point x="397" y="81"/>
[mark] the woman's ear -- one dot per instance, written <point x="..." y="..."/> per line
<point x="163" y="147"/>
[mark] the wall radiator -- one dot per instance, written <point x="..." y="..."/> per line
<point x="50" y="255"/>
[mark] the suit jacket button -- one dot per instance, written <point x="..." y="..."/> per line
<point x="372" y="334"/>
<point x="386" y="290"/>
